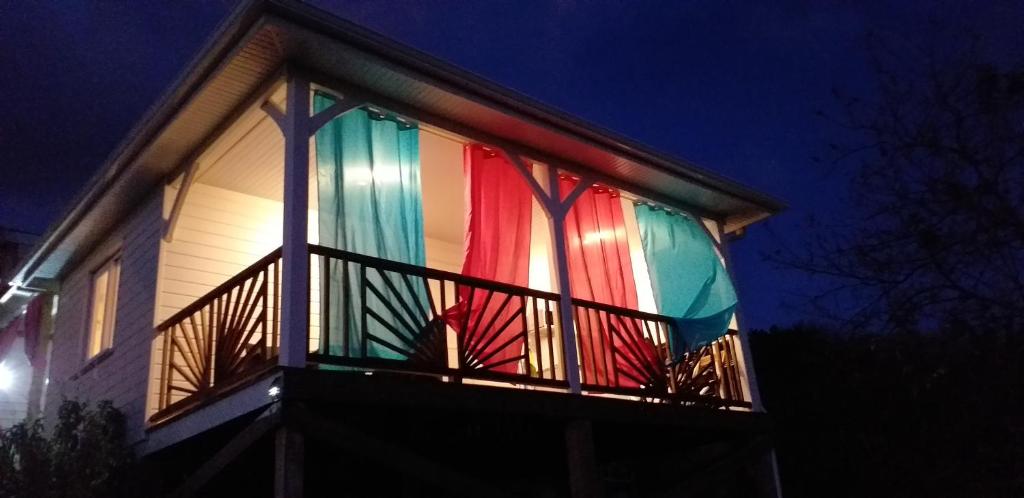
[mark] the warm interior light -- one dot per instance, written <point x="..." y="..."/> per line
<point x="379" y="174"/>
<point x="595" y="237"/>
<point x="6" y="377"/>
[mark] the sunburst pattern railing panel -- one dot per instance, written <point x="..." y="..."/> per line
<point x="220" y="339"/>
<point x="393" y="316"/>
<point x="621" y="349"/>
<point x="627" y="352"/>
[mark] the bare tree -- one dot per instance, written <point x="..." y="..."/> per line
<point x="937" y="183"/>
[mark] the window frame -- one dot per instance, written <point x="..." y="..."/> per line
<point x="111" y="267"/>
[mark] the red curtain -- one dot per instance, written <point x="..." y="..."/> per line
<point x="498" y="219"/>
<point x="601" y="270"/>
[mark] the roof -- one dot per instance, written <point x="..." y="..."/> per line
<point x="261" y="37"/>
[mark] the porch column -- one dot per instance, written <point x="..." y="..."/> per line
<point x="572" y="370"/>
<point x="558" y="210"/>
<point x="744" y="361"/>
<point x="294" y="252"/>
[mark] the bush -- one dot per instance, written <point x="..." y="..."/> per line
<point x="895" y="415"/>
<point x="85" y="455"/>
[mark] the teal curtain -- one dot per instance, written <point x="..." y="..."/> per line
<point x="368" y="187"/>
<point x="689" y="282"/>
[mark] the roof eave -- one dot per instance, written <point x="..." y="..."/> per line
<point x="251" y="14"/>
<point x="224" y="39"/>
<point x="370" y="41"/>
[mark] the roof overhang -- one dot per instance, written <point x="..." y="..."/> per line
<point x="254" y="46"/>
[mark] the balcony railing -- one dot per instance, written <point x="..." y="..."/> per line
<point x="222" y="339"/>
<point x="378" y="315"/>
<point x="627" y="352"/>
<point x="393" y="316"/>
<point x="621" y="350"/>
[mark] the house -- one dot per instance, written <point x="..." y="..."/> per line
<point x="325" y="261"/>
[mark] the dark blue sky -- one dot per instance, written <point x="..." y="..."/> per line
<point x="730" y="85"/>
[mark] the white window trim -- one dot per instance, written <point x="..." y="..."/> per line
<point x="106" y="341"/>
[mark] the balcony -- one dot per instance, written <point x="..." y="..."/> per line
<point x="413" y="322"/>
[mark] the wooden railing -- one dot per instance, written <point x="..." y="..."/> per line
<point x="386" y="315"/>
<point x="628" y="352"/>
<point x="621" y="350"/>
<point x="380" y="315"/>
<point x="221" y="339"/>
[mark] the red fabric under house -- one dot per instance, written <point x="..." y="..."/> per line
<point x="498" y="222"/>
<point x="9" y="334"/>
<point x="33" y="323"/>
<point x="27" y="325"/>
<point x="601" y="270"/>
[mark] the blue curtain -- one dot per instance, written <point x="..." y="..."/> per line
<point x="689" y="282"/>
<point x="368" y="186"/>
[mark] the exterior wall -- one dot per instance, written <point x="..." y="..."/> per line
<point x="121" y="374"/>
<point x="218" y="234"/>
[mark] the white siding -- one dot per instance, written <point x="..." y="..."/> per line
<point x="218" y="234"/>
<point x="120" y="376"/>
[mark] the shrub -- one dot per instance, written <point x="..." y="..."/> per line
<point x="84" y="456"/>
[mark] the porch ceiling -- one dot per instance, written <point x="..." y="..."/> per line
<point x="256" y="42"/>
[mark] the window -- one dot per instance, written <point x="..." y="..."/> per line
<point x="104" y="306"/>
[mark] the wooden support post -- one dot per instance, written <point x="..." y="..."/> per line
<point x="289" y="462"/>
<point x="556" y="210"/>
<point x="294" y="247"/>
<point x="570" y="354"/>
<point x="584" y="478"/>
<point x="744" y="361"/>
<point x="179" y="201"/>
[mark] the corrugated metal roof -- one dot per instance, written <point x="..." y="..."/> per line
<point x="255" y="43"/>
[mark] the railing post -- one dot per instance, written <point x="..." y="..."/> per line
<point x="294" y="247"/>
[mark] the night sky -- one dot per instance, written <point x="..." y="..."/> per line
<point x="730" y="85"/>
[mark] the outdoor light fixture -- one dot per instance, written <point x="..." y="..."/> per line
<point x="6" y="377"/>
<point x="275" y="389"/>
